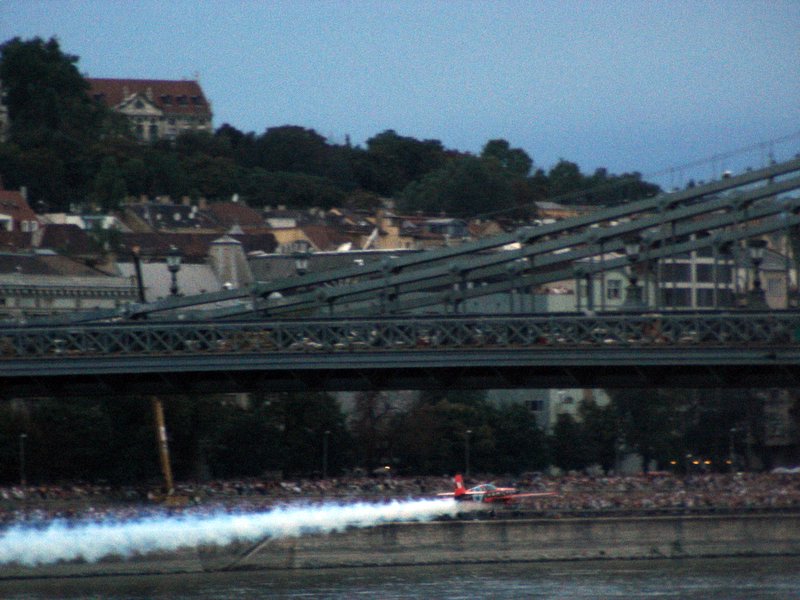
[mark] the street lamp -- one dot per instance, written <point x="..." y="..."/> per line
<point x="325" y="454"/>
<point x="467" y="433"/>
<point x="174" y="265"/>
<point x="22" y="478"/>
<point x="731" y="460"/>
<point x="137" y="264"/>
<point x="757" y="299"/>
<point x="301" y="263"/>
<point x="633" y="293"/>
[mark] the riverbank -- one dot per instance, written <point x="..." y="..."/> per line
<point x="500" y="540"/>
<point x="465" y="541"/>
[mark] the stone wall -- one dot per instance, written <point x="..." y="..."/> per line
<point x="533" y="540"/>
<point x="470" y="541"/>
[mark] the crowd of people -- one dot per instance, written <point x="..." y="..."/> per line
<point x="570" y="495"/>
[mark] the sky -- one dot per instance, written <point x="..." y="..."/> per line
<point x="672" y="89"/>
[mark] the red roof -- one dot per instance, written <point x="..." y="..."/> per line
<point x="229" y="214"/>
<point x="182" y="97"/>
<point x="13" y="204"/>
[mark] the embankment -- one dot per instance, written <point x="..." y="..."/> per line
<point x="471" y="541"/>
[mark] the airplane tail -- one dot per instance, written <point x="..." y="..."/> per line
<point x="460" y="489"/>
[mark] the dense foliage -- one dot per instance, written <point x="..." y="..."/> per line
<point x="299" y="435"/>
<point x="72" y="152"/>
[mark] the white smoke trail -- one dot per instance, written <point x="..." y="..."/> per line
<point x="61" y="541"/>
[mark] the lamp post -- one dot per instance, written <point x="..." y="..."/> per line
<point x="325" y="437"/>
<point x="174" y="265"/>
<point x="137" y="264"/>
<point x="756" y="298"/>
<point x="633" y="293"/>
<point x="23" y="480"/>
<point x="467" y="433"/>
<point x="301" y="263"/>
<point x="731" y="449"/>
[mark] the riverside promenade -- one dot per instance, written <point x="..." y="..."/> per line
<point x="641" y="517"/>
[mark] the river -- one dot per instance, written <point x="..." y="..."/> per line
<point x="775" y="578"/>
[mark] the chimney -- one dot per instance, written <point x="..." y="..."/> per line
<point x="23" y="190"/>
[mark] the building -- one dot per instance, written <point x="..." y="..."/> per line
<point x="42" y="283"/>
<point x="157" y="109"/>
<point x="16" y="215"/>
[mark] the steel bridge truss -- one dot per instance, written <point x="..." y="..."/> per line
<point x="715" y="215"/>
<point x="445" y="333"/>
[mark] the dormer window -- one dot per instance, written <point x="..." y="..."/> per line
<point x="183" y="100"/>
<point x="166" y="99"/>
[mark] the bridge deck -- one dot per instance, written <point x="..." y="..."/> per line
<point x="514" y="351"/>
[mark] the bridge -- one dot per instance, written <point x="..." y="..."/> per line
<point x="752" y="349"/>
<point x="400" y="323"/>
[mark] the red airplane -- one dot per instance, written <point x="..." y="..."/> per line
<point x="489" y="492"/>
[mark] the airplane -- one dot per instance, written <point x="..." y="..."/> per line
<point x="490" y="493"/>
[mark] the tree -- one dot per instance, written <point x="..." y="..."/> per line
<point x="247" y="441"/>
<point x="514" y="160"/>
<point x="649" y="422"/>
<point x="297" y="190"/>
<point x="211" y="176"/>
<point x="601" y="433"/>
<point x="392" y="161"/>
<point x="371" y="427"/>
<point x="109" y="188"/>
<point x="46" y="95"/>
<point x="520" y="444"/>
<point x="292" y="149"/>
<point x="567" y="444"/>
<point x="565" y="177"/>
<point x="52" y="119"/>
<point x="465" y="187"/>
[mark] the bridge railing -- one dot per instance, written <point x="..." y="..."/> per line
<point x="764" y="329"/>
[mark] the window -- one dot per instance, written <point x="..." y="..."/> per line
<point x="166" y="99"/>
<point x="677" y="297"/>
<point x="705" y="273"/>
<point x="705" y="297"/>
<point x="675" y="272"/>
<point x="535" y="405"/>
<point x="775" y="287"/>
<point x="613" y="289"/>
